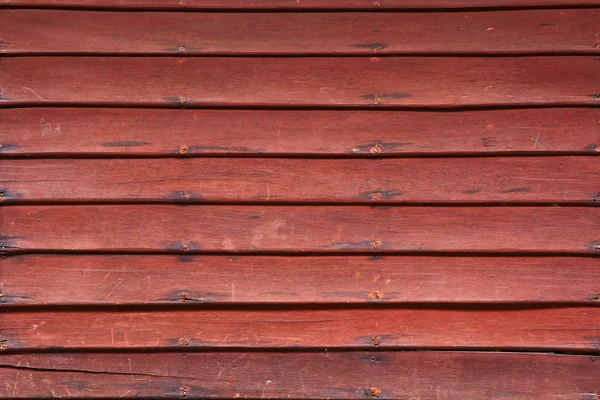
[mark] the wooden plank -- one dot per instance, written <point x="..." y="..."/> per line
<point x="319" y="82"/>
<point x="143" y="132"/>
<point x="458" y="180"/>
<point x="352" y="375"/>
<point x="41" y="280"/>
<point x="570" y="328"/>
<point x="299" y="5"/>
<point x="160" y="228"/>
<point x="503" y="32"/>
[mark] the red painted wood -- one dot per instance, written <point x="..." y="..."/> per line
<point x="504" y="32"/>
<point x="160" y="228"/>
<point x="299" y="5"/>
<point x="352" y="375"/>
<point x="191" y="280"/>
<point x="512" y="329"/>
<point x="459" y="180"/>
<point x="89" y="131"/>
<point x="332" y="82"/>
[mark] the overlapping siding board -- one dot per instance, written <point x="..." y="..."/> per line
<point x="351" y="199"/>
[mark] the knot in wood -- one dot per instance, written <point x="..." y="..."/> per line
<point x="376" y="294"/>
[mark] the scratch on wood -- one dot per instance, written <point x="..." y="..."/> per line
<point x="34" y="92"/>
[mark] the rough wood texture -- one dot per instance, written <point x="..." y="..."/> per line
<point x="352" y="375"/>
<point x="40" y="280"/>
<point x="461" y="180"/>
<point x="335" y="82"/>
<point x="283" y="118"/>
<point x="504" y="32"/>
<point x="160" y="228"/>
<point x="504" y="329"/>
<point x="299" y="5"/>
<point x="140" y="132"/>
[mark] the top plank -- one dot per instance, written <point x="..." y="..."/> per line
<point x="299" y="5"/>
<point x="100" y="32"/>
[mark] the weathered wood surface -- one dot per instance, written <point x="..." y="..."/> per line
<point x="332" y="375"/>
<point x="327" y="82"/>
<point x="500" y="329"/>
<point x="62" y="280"/>
<point x="270" y="297"/>
<point x="160" y="228"/>
<point x="459" y="180"/>
<point x="300" y="5"/>
<point x="142" y="132"/>
<point x="99" y="32"/>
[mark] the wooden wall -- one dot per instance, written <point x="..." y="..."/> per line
<point x="333" y="199"/>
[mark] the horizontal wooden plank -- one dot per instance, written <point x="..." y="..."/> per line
<point x="144" y="132"/>
<point x="351" y="375"/>
<point x="510" y="329"/>
<point x="503" y="32"/>
<point x="458" y="180"/>
<point x="298" y="5"/>
<point x="161" y="228"/>
<point x="332" y="82"/>
<point x="40" y="280"/>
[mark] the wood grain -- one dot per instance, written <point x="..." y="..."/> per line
<point x="309" y="82"/>
<point x="141" y="132"/>
<point x="160" y="228"/>
<point x="61" y="280"/>
<point x="462" y="180"/>
<point x="299" y="5"/>
<point x="99" y="32"/>
<point x="510" y="329"/>
<point x="352" y="375"/>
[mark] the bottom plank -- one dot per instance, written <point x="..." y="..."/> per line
<point x="347" y="375"/>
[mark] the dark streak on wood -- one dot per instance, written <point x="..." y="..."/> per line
<point x="131" y="143"/>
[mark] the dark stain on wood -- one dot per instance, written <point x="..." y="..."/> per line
<point x="518" y="190"/>
<point x="379" y="98"/>
<point x="594" y="246"/>
<point x="380" y="195"/>
<point x="7" y="147"/>
<point x="184" y="197"/>
<point x="370" y="46"/>
<point x="377" y="146"/>
<point x="364" y="244"/>
<point x="132" y="143"/>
